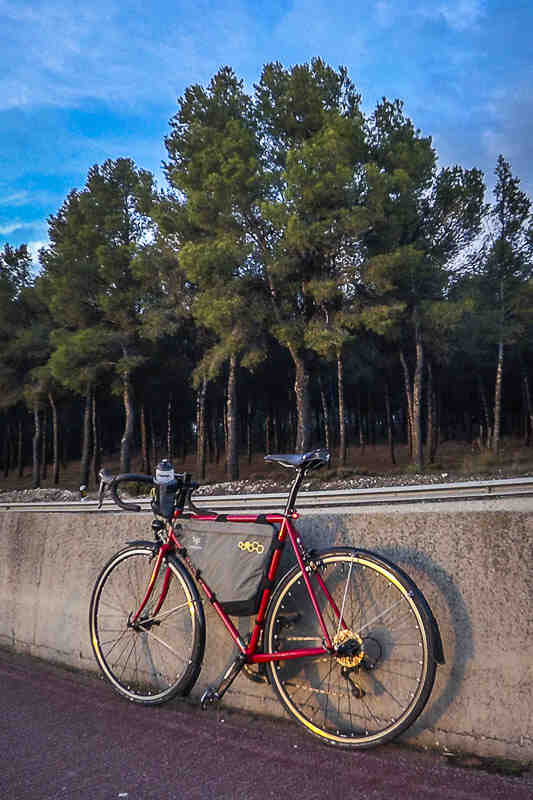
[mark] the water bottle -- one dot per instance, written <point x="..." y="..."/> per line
<point x="164" y="472"/>
<point x="166" y="488"/>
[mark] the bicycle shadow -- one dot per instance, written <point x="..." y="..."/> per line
<point x="453" y="619"/>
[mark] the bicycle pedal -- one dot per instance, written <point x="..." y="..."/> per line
<point x="209" y="698"/>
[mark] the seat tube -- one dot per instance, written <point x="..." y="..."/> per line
<point x="293" y="535"/>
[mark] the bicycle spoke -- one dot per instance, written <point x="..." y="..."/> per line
<point x="151" y="635"/>
<point x="379" y="616"/>
<point x="160" y="617"/>
<point x="146" y="663"/>
<point x="376" y="701"/>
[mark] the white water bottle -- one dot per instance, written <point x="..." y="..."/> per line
<point x="166" y="491"/>
<point x="164" y="472"/>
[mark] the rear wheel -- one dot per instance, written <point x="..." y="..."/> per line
<point x="158" y="656"/>
<point x="379" y="679"/>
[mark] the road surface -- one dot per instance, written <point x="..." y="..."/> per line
<point x="66" y="736"/>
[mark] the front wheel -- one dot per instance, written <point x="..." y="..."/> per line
<point x="158" y="656"/>
<point x="380" y="677"/>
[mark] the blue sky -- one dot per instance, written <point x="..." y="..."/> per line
<point x="82" y="82"/>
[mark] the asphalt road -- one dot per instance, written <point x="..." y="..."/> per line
<point x="67" y="736"/>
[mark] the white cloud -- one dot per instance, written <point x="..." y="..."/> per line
<point x="461" y="15"/>
<point x="509" y="131"/>
<point x="15" y="199"/>
<point x="34" y="248"/>
<point x="126" y="52"/>
<point x="11" y="227"/>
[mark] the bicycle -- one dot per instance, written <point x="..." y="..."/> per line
<point x="345" y="637"/>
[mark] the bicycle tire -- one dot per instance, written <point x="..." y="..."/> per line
<point x="347" y="704"/>
<point x="142" y="665"/>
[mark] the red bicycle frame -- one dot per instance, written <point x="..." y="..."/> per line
<point x="249" y="650"/>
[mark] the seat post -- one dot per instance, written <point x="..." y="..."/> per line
<point x="291" y="500"/>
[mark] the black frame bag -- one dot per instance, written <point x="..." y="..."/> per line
<point x="232" y="558"/>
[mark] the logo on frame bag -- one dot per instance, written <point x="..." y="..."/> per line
<point x="252" y="547"/>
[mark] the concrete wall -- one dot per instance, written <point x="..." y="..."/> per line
<point x="473" y="563"/>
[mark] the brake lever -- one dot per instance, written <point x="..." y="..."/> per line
<point x="105" y="479"/>
<point x="194" y="508"/>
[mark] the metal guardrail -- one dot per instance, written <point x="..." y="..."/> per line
<point x="328" y="498"/>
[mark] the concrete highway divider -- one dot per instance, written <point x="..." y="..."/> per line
<point x="472" y="560"/>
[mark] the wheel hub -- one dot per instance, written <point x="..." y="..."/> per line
<point x="349" y="648"/>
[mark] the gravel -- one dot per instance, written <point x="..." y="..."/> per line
<point x="272" y="486"/>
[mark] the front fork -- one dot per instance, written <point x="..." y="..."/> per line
<point x="134" y="619"/>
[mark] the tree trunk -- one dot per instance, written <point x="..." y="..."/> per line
<point x="226" y="432"/>
<point x="342" y="411"/>
<point x="249" y="430"/>
<point x="325" y="413"/>
<point x="36" y="460"/>
<point x="215" y="437"/>
<point x="146" y="467"/>
<point x="432" y="438"/>
<point x="485" y="441"/>
<point x="169" y="431"/>
<point x="304" y="409"/>
<point x="232" y="454"/>
<point x="268" y="435"/>
<point x="44" y="446"/>
<point x="360" y="424"/>
<point x="388" y="415"/>
<point x="20" y="448"/>
<point x="529" y="408"/>
<point x="153" y="444"/>
<point x="371" y="417"/>
<point x="86" y="441"/>
<point x="97" y="449"/>
<point x="201" y="438"/>
<point x="126" y="443"/>
<point x="409" y="400"/>
<point x="7" y="450"/>
<point x="418" y="445"/>
<point x="185" y="440"/>
<point x="55" y="440"/>
<point x="498" y="400"/>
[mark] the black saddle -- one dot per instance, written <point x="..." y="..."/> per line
<point x="303" y="461"/>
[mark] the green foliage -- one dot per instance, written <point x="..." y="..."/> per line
<point x="327" y="341"/>
<point x="15" y="267"/>
<point x="500" y="287"/>
<point x="80" y="358"/>
<point x="292" y="221"/>
<point x="95" y="278"/>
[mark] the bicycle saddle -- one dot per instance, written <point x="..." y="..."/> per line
<point x="306" y="461"/>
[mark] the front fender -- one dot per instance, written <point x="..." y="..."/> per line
<point x="155" y="546"/>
